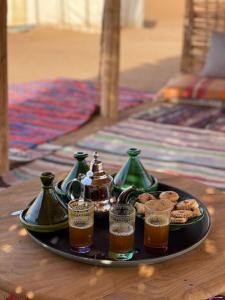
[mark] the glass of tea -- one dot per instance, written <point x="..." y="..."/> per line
<point x="81" y="225"/>
<point x="156" y="228"/>
<point x="121" y="232"/>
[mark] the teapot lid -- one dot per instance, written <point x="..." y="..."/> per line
<point x="96" y="164"/>
<point x="133" y="173"/>
<point x="96" y="167"/>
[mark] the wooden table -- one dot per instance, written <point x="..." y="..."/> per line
<point x="31" y="271"/>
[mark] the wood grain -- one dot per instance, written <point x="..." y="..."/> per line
<point x="109" y="64"/>
<point x="4" y="163"/>
<point x="32" y="271"/>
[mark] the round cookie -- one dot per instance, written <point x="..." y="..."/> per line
<point x="140" y="207"/>
<point x="180" y="220"/>
<point x="187" y="204"/>
<point x="182" y="214"/>
<point x="159" y="205"/>
<point x="143" y="198"/>
<point x="169" y="195"/>
<point x="196" y="213"/>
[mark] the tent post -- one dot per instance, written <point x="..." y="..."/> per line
<point x="187" y="34"/>
<point x="109" y="64"/>
<point x="4" y="162"/>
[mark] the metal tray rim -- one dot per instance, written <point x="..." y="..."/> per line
<point x="129" y="263"/>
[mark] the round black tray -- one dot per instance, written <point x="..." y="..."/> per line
<point x="180" y="241"/>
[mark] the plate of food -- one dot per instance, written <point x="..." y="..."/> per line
<point x="191" y="234"/>
<point x="185" y="209"/>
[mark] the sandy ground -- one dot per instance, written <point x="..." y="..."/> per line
<point x="148" y="56"/>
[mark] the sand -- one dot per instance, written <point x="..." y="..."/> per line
<point x="149" y="56"/>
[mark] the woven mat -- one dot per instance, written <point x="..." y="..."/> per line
<point x="195" y="153"/>
<point x="188" y="115"/>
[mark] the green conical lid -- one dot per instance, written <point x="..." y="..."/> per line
<point x="133" y="173"/>
<point x="80" y="167"/>
<point x="47" y="209"/>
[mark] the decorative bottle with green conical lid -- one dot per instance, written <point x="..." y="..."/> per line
<point x="133" y="173"/>
<point x="80" y="167"/>
<point x="47" y="208"/>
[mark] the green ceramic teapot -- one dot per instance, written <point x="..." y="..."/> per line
<point x="134" y="174"/>
<point x="47" y="212"/>
<point x="80" y="167"/>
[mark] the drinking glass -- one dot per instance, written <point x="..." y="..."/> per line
<point x="156" y="228"/>
<point x="121" y="232"/>
<point x="81" y="225"/>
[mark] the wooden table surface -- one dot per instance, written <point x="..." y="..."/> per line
<point x="28" y="270"/>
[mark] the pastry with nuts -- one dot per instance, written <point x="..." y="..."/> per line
<point x="140" y="208"/>
<point x="169" y="195"/>
<point x="189" y="204"/>
<point x="181" y="211"/>
<point x="178" y="220"/>
<point x="143" y="198"/>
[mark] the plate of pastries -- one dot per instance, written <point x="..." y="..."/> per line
<point x="183" y="211"/>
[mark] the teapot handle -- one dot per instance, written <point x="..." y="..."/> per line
<point x="124" y="196"/>
<point x="70" y="188"/>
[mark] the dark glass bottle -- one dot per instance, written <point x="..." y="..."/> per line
<point x="133" y="173"/>
<point x="80" y="167"/>
<point x="47" y="208"/>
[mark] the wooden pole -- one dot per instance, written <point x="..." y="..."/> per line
<point x="4" y="163"/>
<point x="109" y="60"/>
<point x="187" y="35"/>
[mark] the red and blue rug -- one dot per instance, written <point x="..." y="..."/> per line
<point x="42" y="111"/>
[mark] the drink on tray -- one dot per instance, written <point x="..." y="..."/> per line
<point x="121" y="238"/>
<point x="156" y="229"/>
<point x="121" y="232"/>
<point x="81" y="225"/>
<point x="81" y="235"/>
<point x="156" y="233"/>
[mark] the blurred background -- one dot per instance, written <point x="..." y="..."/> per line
<point x="61" y="38"/>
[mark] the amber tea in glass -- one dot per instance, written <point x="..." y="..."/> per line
<point x="81" y="225"/>
<point x="121" y="232"/>
<point x="156" y="228"/>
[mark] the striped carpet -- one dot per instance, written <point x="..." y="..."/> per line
<point x="191" y="152"/>
<point x="42" y="111"/>
<point x="188" y="115"/>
